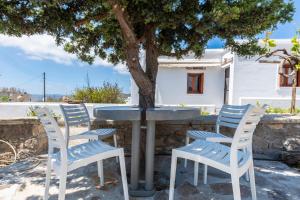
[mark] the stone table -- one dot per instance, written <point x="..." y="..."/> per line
<point x="126" y="113"/>
<point x="160" y="114"/>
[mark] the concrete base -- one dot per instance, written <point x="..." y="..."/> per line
<point x="141" y="192"/>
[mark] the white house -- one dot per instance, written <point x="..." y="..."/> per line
<point x="219" y="77"/>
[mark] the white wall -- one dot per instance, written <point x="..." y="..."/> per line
<point x="20" y="109"/>
<point x="254" y="81"/>
<point x="172" y="87"/>
<point x="134" y="90"/>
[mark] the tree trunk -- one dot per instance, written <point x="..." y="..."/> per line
<point x="293" y="101"/>
<point x="143" y="80"/>
<point x="148" y="101"/>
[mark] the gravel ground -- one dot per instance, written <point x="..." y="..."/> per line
<point x="274" y="180"/>
<point x="25" y="181"/>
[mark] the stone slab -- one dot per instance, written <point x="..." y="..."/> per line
<point x="172" y="113"/>
<point x="118" y="113"/>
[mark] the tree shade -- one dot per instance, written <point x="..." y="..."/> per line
<point x="118" y="29"/>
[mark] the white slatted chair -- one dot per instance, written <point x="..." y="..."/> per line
<point x="231" y="160"/>
<point x="77" y="114"/>
<point x="67" y="159"/>
<point x="229" y="116"/>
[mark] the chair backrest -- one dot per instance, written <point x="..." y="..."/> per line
<point x="242" y="139"/>
<point x="75" y="114"/>
<point x="230" y="116"/>
<point x="54" y="134"/>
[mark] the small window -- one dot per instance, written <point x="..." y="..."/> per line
<point x="195" y="83"/>
<point x="288" y="81"/>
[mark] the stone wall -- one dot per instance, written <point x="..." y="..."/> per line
<point x="26" y="135"/>
<point x="276" y="137"/>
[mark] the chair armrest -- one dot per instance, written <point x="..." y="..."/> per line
<point x="220" y="139"/>
<point x="73" y="137"/>
<point x="76" y="137"/>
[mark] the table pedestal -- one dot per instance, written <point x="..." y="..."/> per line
<point x="150" y="150"/>
<point x="139" y="189"/>
<point x="135" y="155"/>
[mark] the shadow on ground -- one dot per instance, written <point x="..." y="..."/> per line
<point x="274" y="180"/>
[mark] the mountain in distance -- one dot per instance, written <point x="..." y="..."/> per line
<point x="39" y="97"/>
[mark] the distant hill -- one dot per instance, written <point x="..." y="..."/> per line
<point x="39" y="97"/>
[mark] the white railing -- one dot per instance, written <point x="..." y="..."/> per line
<point x="20" y="109"/>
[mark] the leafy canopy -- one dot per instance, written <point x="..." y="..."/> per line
<point x="89" y="28"/>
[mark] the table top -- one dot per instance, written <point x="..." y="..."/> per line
<point x="172" y="113"/>
<point x="118" y="113"/>
<point x="131" y="113"/>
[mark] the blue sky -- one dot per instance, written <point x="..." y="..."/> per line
<point x="23" y="60"/>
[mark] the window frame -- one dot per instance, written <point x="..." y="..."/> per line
<point x="200" y="89"/>
<point x="283" y="81"/>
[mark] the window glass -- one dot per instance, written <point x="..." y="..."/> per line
<point x="195" y="83"/>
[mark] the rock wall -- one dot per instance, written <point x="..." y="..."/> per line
<point x="26" y="135"/>
<point x="277" y="137"/>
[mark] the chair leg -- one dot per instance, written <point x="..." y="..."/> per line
<point x="252" y="181"/>
<point x="116" y="144"/>
<point x="247" y="176"/>
<point x="236" y="186"/>
<point x="196" y="173"/>
<point x="205" y="174"/>
<point x="100" y="172"/>
<point x="187" y="141"/>
<point x="48" y="178"/>
<point x="172" y="176"/>
<point x="123" y="175"/>
<point x="247" y="173"/>
<point x="62" y="185"/>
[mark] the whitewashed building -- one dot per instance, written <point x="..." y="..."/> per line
<point x="221" y="77"/>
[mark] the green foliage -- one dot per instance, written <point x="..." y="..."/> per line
<point x="4" y="98"/>
<point x="296" y="46"/>
<point x="54" y="99"/>
<point x="204" y="113"/>
<point x="89" y="28"/>
<point x="31" y="113"/>
<point x="274" y="110"/>
<point x="295" y="49"/>
<point x="268" y="42"/>
<point x="108" y="93"/>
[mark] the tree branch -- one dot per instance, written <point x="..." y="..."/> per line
<point x="267" y="55"/>
<point x="132" y="49"/>
<point x="172" y="54"/>
<point x="89" y="18"/>
<point x="122" y="18"/>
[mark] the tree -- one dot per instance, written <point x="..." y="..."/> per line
<point x="4" y="98"/>
<point x="108" y="93"/>
<point x="291" y="57"/>
<point x="118" y="29"/>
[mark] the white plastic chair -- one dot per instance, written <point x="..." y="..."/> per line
<point x="224" y="119"/>
<point x="77" y="114"/>
<point x="67" y="159"/>
<point x="231" y="160"/>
